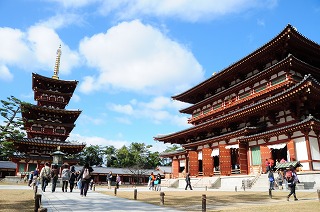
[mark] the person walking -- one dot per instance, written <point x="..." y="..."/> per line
<point x="65" y="176"/>
<point x="30" y="178"/>
<point x="118" y="181"/>
<point x="151" y="181"/>
<point x="188" y="182"/>
<point x="85" y="177"/>
<point x="292" y="180"/>
<point x="54" y="176"/>
<point x="72" y="178"/>
<point x="158" y="182"/>
<point x="267" y="165"/>
<point x="109" y="179"/>
<point x="271" y="180"/>
<point x="45" y="176"/>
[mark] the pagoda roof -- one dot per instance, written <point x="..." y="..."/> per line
<point x="173" y="153"/>
<point x="289" y="35"/>
<point x="72" y="83"/>
<point x="41" y="158"/>
<point x="30" y="111"/>
<point x="304" y="124"/>
<point x="291" y="62"/>
<point x="241" y="132"/>
<point x="262" y="105"/>
<point x="40" y="142"/>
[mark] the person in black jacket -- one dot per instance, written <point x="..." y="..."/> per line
<point x="188" y="181"/>
<point x="73" y="177"/>
<point x="84" y="180"/>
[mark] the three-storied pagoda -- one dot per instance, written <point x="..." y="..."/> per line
<point x="48" y="124"/>
<point x="266" y="105"/>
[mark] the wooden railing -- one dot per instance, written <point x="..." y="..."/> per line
<point x="275" y="84"/>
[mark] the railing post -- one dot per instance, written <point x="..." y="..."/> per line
<point x="115" y="191"/>
<point x="162" y="198"/>
<point x="37" y="202"/>
<point x="94" y="187"/>
<point x="318" y="191"/>
<point x="235" y="188"/>
<point x="204" y="203"/>
<point x="135" y="193"/>
<point x="206" y="188"/>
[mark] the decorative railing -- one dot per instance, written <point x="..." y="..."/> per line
<point x="275" y="84"/>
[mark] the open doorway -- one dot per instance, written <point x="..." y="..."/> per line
<point x="234" y="158"/>
<point x="279" y="153"/>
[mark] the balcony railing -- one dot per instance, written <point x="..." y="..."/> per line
<point x="274" y="84"/>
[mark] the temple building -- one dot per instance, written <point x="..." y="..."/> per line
<point x="48" y="124"/>
<point x="266" y="105"/>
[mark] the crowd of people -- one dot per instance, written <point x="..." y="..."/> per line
<point x="154" y="182"/>
<point x="287" y="177"/>
<point x="71" y="179"/>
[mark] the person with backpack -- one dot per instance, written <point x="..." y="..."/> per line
<point x="157" y="182"/>
<point x="73" y="177"/>
<point x="85" y="177"/>
<point x="54" y="176"/>
<point x="45" y="176"/>
<point x="65" y="176"/>
<point x="292" y="179"/>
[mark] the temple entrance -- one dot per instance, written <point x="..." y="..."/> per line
<point x="234" y="158"/>
<point x="279" y="153"/>
<point x="216" y="163"/>
<point x="200" y="166"/>
<point x="235" y="164"/>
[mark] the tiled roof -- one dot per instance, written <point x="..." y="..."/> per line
<point x="34" y="141"/>
<point x="7" y="165"/>
<point x="260" y="105"/>
<point x="286" y="165"/>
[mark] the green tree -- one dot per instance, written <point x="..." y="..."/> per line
<point x="137" y="158"/>
<point x="93" y="155"/>
<point x="11" y="127"/>
<point x="172" y="148"/>
<point x="110" y="156"/>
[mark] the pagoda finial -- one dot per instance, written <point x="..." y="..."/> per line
<point x="57" y="65"/>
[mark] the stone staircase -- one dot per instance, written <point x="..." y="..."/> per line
<point x="262" y="183"/>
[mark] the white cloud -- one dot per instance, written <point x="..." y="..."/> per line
<point x="94" y="140"/>
<point x="139" y="58"/>
<point x="45" y="42"/>
<point x="186" y="10"/>
<point x="126" y="109"/>
<point x="89" y="120"/>
<point x="5" y="74"/>
<point x="74" y="3"/>
<point x="159" y="110"/>
<point x="34" y="50"/>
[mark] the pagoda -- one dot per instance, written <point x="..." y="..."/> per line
<point x="48" y="124"/>
<point x="266" y="105"/>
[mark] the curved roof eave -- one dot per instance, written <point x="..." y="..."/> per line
<point x="230" y="68"/>
<point x="244" y="110"/>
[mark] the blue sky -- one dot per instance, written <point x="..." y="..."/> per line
<point x="131" y="56"/>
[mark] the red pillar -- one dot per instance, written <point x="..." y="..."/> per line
<point x="224" y="160"/>
<point x="193" y="163"/>
<point x="175" y="168"/>
<point x="292" y="150"/>
<point x="243" y="160"/>
<point x="207" y="162"/>
<point x="309" y="152"/>
<point x="265" y="154"/>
